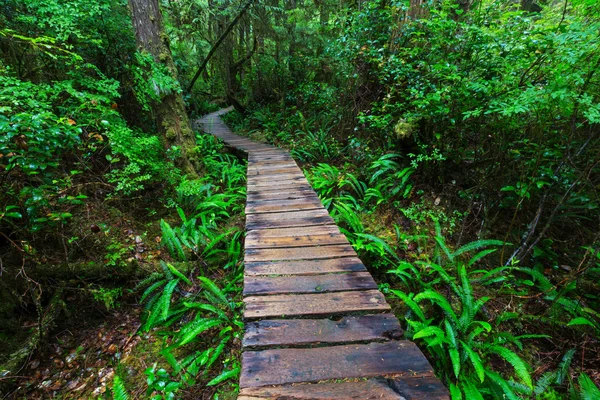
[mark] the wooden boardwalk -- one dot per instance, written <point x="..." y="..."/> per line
<point x="316" y="327"/>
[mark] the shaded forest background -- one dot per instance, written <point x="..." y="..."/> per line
<point x="456" y="144"/>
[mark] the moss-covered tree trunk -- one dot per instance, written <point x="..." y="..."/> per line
<point x="170" y="111"/>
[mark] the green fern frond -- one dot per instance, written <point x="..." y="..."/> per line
<point x="119" y="391"/>
<point x="517" y="363"/>
<point x="415" y="308"/>
<point x="587" y="389"/>
<point x="214" y="289"/>
<point x="477" y="245"/>
<point x="224" y="376"/>
<point x="563" y="367"/>
<point x="195" y="328"/>
<point x="178" y="274"/>
<point x="438" y="299"/>
<point x="455" y="392"/>
<point x="151" y="289"/>
<point x="165" y="299"/>
<point x="507" y="391"/>
<point x="475" y="361"/>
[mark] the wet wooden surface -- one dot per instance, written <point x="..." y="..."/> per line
<point x="313" y="313"/>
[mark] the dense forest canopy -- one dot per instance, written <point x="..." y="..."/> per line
<point x="455" y="143"/>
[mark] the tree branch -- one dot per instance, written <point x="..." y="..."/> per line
<point x="218" y="43"/>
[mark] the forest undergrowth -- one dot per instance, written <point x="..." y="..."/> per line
<point x="455" y="143"/>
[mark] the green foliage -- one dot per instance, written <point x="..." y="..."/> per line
<point x="152" y="81"/>
<point x="119" y="391"/>
<point x="462" y="345"/>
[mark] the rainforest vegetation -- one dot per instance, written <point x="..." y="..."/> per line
<point x="455" y="142"/>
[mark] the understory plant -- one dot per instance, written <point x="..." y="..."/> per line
<point x="469" y="347"/>
<point x="198" y="317"/>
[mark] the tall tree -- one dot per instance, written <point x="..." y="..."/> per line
<point x="170" y="110"/>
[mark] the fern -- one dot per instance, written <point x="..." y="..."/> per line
<point x="224" y="376"/>
<point x="119" y="391"/>
<point x="165" y="300"/>
<point x="587" y="389"/>
<point x="563" y="368"/>
<point x="193" y="329"/>
<point x="517" y="363"/>
<point x="214" y="289"/>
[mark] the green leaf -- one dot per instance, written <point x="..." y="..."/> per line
<point x="224" y="376"/>
<point x="178" y="274"/>
<point x="581" y="321"/>
<point x="517" y="363"/>
<point x="587" y="388"/>
<point x="165" y="299"/>
<point x="195" y="328"/>
<point x="455" y="392"/>
<point x="214" y="289"/>
<point x="119" y="391"/>
<point x="410" y="303"/>
<point x="475" y="361"/>
<point x="477" y="245"/>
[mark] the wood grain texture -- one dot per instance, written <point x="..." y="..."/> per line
<point x="299" y="253"/>
<point x="304" y="203"/>
<point x="294" y="241"/>
<point x="288" y="219"/>
<point x="293" y="232"/>
<point x="308" y="267"/>
<point x="295" y="332"/>
<point x="423" y="387"/>
<point x="257" y="285"/>
<point x="319" y="304"/>
<point x="285" y="195"/>
<point x="284" y="366"/>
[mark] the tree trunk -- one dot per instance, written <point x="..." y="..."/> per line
<point x="170" y="111"/>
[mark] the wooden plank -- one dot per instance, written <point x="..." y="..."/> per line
<point x="294" y="241"/>
<point x="289" y="215"/>
<point x="262" y="285"/>
<point x="295" y="332"/>
<point x="283" y="187"/>
<point x="284" y="366"/>
<point x="253" y="172"/>
<point x="319" y="304"/>
<point x="288" y="219"/>
<point x="306" y="203"/>
<point x="291" y="232"/>
<point x="299" y="253"/>
<point x="253" y="197"/>
<point x="269" y="184"/>
<point x="307" y="267"/>
<point x="423" y="387"/>
<point x="276" y="176"/>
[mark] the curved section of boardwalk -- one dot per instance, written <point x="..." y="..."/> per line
<point x="316" y="325"/>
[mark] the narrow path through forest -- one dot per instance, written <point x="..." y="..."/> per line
<point x="316" y="327"/>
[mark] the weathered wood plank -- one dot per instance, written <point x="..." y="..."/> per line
<point x="299" y="253"/>
<point x="288" y="219"/>
<point x="260" y="285"/>
<point x="305" y="203"/>
<point x="294" y="241"/>
<point x="287" y="171"/>
<point x="307" y="267"/>
<point x="422" y="387"/>
<point x="254" y="197"/>
<point x="276" y="177"/>
<point x="269" y="184"/>
<point x="290" y="232"/>
<point x="284" y="366"/>
<point x="319" y="304"/>
<point x="295" y="332"/>
<point x="290" y="187"/>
